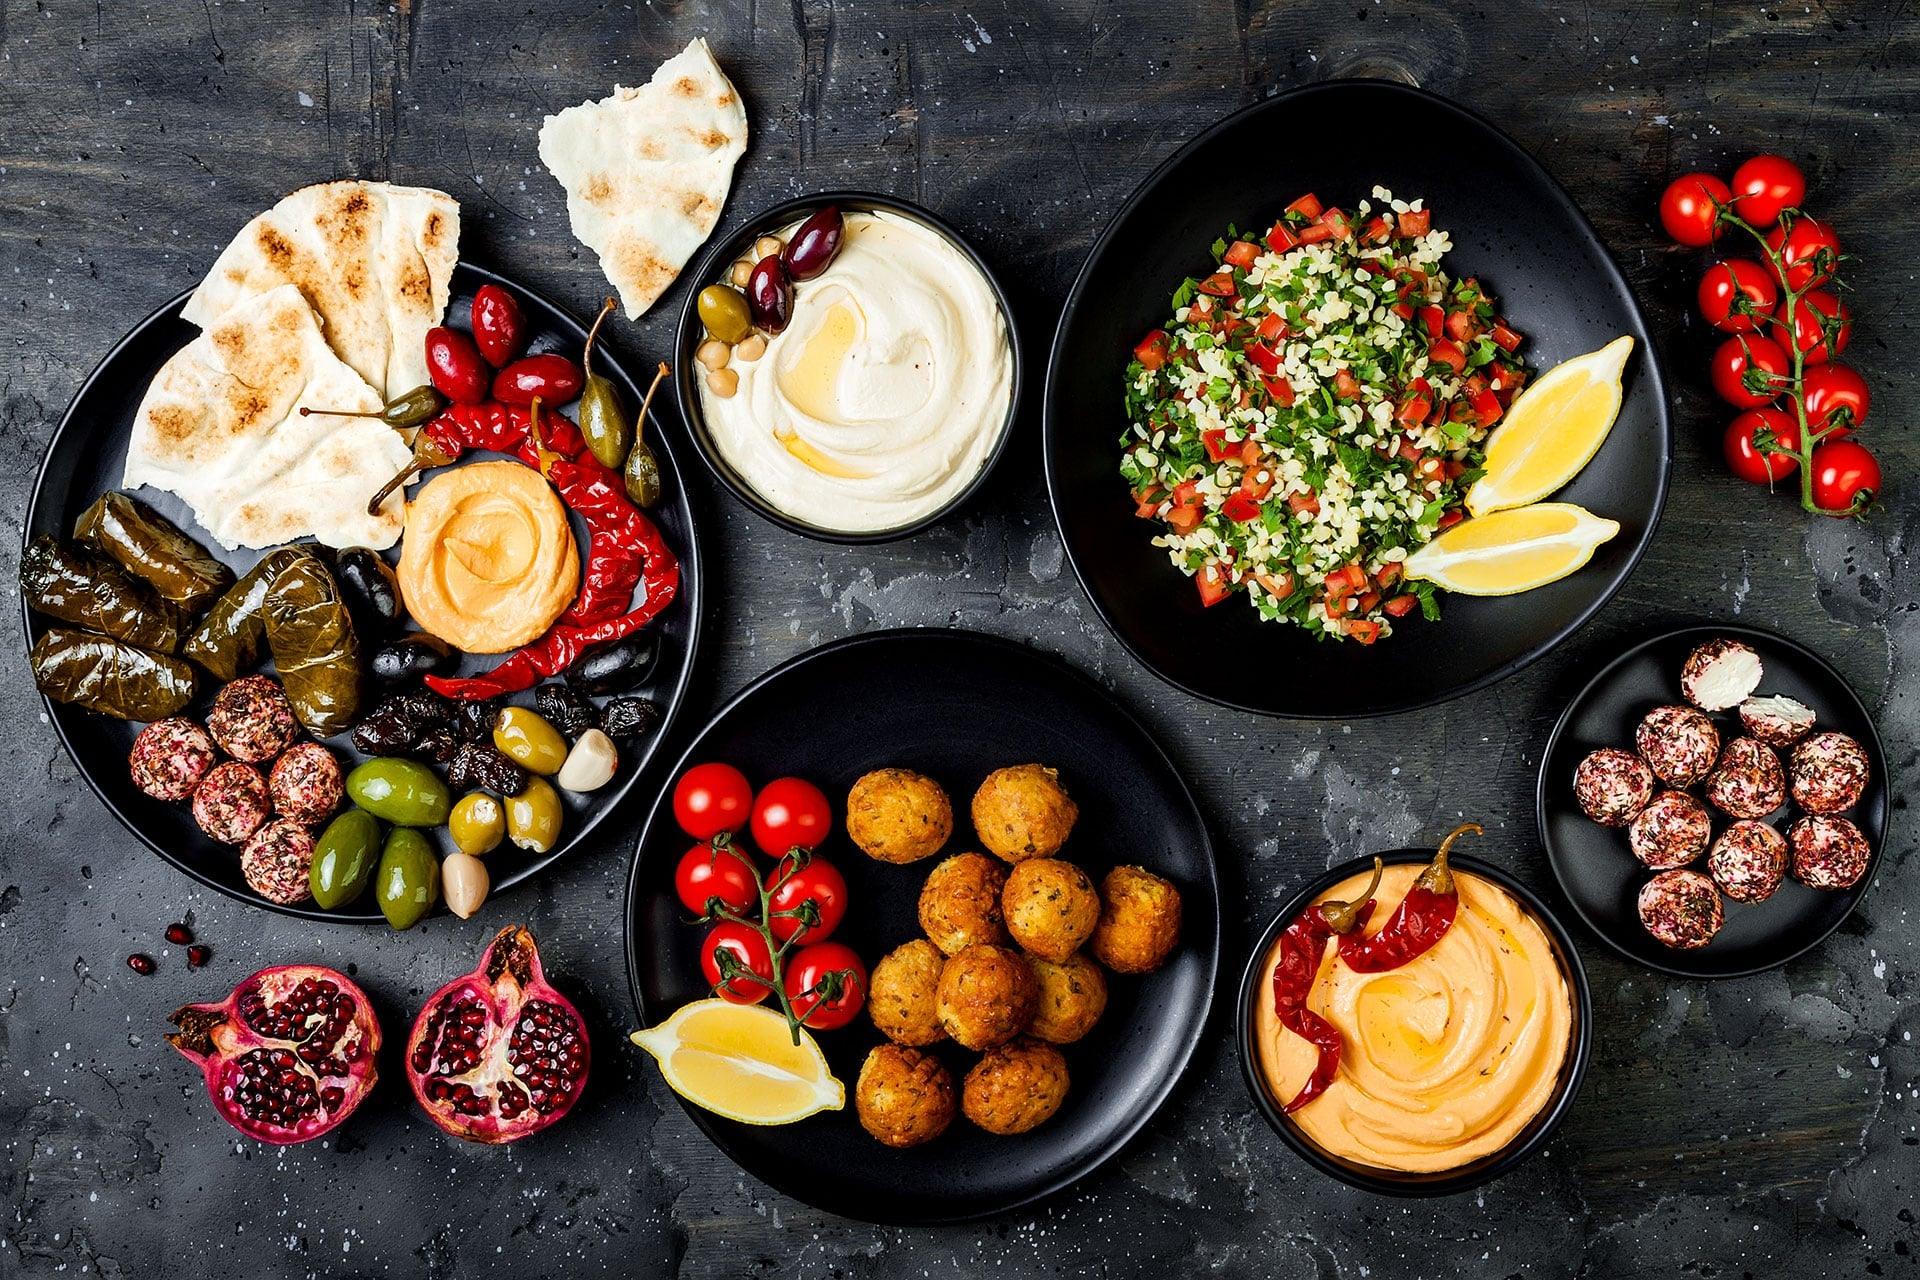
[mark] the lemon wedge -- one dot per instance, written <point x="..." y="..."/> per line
<point x="1512" y="551"/>
<point x="740" y="1061"/>
<point x="1553" y="429"/>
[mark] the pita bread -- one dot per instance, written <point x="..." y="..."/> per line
<point x="647" y="170"/>
<point x="373" y="259"/>
<point x="220" y="427"/>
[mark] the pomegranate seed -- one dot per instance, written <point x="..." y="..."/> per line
<point x="178" y="934"/>
<point x="198" y="955"/>
<point x="140" y="964"/>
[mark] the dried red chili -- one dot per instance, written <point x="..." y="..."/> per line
<point x="1421" y="920"/>
<point x="1302" y="945"/>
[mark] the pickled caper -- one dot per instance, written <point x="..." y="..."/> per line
<point x="526" y="738"/>
<point x="343" y="858"/>
<point x="408" y="881"/>
<point x="477" y="823"/>
<point x="724" y="311"/>
<point x="534" y="816"/>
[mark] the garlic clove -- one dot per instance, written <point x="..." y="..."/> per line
<point x="464" y="883"/>
<point x="589" y="766"/>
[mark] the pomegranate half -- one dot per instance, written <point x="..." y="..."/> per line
<point x="498" y="1055"/>
<point x="288" y="1055"/>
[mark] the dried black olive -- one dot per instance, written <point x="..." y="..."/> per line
<point x="428" y="709"/>
<point x="473" y="721"/>
<point x="478" y="765"/>
<point x="615" y="665"/>
<point x="400" y="722"/>
<point x="371" y="591"/>
<point x="629" y="717"/>
<point x="437" y="746"/>
<point x="566" y="709"/>
<point x="410" y="657"/>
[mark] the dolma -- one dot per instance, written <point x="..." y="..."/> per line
<point x="110" y="677"/>
<point x="233" y="635"/>
<point x="72" y="582"/>
<point x="153" y="549"/>
<point x="315" y="650"/>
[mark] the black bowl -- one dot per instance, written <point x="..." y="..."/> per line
<point x="1512" y="226"/>
<point x="686" y="370"/>
<point x="1254" y="986"/>
<point x="1597" y="869"/>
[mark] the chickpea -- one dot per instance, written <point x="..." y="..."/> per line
<point x="741" y="273"/>
<point x="713" y="353"/>
<point x="723" y="383"/>
<point x="767" y="246"/>
<point x="753" y="348"/>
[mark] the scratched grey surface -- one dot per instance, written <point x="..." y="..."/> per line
<point x="1758" y="1127"/>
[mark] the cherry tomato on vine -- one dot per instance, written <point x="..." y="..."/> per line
<point x="1812" y="317"/>
<point x="1743" y="454"/>
<point x="1809" y="248"/>
<point x="790" y="813"/>
<point x="840" y="979"/>
<point x="1749" y="371"/>
<point x="751" y="972"/>
<point x="1737" y="295"/>
<point x="711" y="798"/>
<point x="1689" y="208"/>
<point x="1845" y="475"/>
<point x="819" y="882"/>
<point x="1831" y="389"/>
<point x="1765" y="185"/>
<point x="706" y="872"/>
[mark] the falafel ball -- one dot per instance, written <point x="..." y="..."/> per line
<point x="898" y="816"/>
<point x="1073" y="995"/>
<point x="960" y="903"/>
<point x="1050" y="906"/>
<point x="901" y="994"/>
<point x="1015" y="1088"/>
<point x="1139" y="921"/>
<point x="1023" y="812"/>
<point x="986" y="996"/>
<point x="904" y="1097"/>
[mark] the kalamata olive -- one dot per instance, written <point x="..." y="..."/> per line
<point x="724" y="311"/>
<point x="407" y="883"/>
<point x="371" y="590"/>
<point x="526" y="738"/>
<point x="615" y="665"/>
<point x="498" y="329"/>
<point x="455" y="366"/>
<point x="816" y="243"/>
<point x="769" y="295"/>
<point x="403" y="792"/>
<point x="549" y="375"/>
<point x="409" y="657"/>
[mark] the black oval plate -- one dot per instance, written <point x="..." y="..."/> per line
<point x="1599" y="873"/>
<point x="954" y="705"/>
<point x="1512" y="225"/>
<point x="85" y="458"/>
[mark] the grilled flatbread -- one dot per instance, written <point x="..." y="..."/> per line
<point x="220" y="426"/>
<point x="647" y="170"/>
<point x="371" y="258"/>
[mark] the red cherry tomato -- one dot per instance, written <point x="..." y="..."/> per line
<point x="454" y="366"/>
<point x="711" y="798"/>
<point x="1736" y="296"/>
<point x="1743" y="454"/>
<point x="549" y="375"/>
<point x="1812" y="317"/>
<point x="827" y="985"/>
<point x="1749" y="371"/>
<point x="820" y="883"/>
<point x="1765" y="185"/>
<point x="1845" y="475"/>
<point x="706" y="873"/>
<point x="749" y="975"/>
<point x="498" y="329"/>
<point x="1809" y="249"/>
<point x="790" y="813"/>
<point x="1835" y="389"/>
<point x="1689" y="208"/>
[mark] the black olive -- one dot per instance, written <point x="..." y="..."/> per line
<point x="372" y="592"/>
<point x="566" y="708"/>
<point x="411" y="656"/>
<point x="477" y="765"/>
<point x="437" y="746"/>
<point x="624" y="718"/>
<point x="402" y="722"/>
<point x="473" y="721"/>
<point x="615" y="665"/>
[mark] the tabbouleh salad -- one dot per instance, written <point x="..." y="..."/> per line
<point x="1314" y="412"/>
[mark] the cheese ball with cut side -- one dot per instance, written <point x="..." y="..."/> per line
<point x="1023" y="812"/>
<point x="898" y="816"/>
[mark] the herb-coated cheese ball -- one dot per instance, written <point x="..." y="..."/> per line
<point x="1139" y="921"/>
<point x="898" y="816"/>
<point x="1073" y="995"/>
<point x="902" y="994"/>
<point x="1050" y="906"/>
<point x="904" y="1097"/>
<point x="986" y="996"/>
<point x="1015" y="1087"/>
<point x="1023" y="812"/>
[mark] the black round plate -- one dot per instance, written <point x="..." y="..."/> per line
<point x="85" y="458"/>
<point x="1256" y="985"/>
<point x="954" y="705"/>
<point x="1599" y="873"/>
<point x="1512" y="226"/>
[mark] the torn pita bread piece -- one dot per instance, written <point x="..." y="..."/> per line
<point x="373" y="259"/>
<point x="647" y="170"/>
<point x="221" y="426"/>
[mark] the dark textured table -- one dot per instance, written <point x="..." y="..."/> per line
<point x="1765" y="1126"/>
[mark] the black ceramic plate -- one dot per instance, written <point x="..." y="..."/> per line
<point x="1512" y="226"/>
<point x="954" y="705"/>
<point x="1599" y="873"/>
<point x="1256" y="984"/>
<point x="85" y="459"/>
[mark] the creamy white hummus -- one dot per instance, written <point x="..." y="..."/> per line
<point x="884" y="395"/>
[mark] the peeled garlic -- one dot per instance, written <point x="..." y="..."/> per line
<point x="589" y="766"/>
<point x="463" y="883"/>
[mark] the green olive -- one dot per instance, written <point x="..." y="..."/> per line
<point x="724" y="311"/>
<point x="528" y="740"/>
<point x="477" y="823"/>
<point x="534" y="816"/>
<point x="408" y="881"/>
<point x="403" y="792"/>
<point x="343" y="858"/>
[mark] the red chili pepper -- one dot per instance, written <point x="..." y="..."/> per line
<point x="1422" y="918"/>
<point x="1302" y="945"/>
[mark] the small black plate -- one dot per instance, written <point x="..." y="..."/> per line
<point x="86" y="457"/>
<point x="1512" y="225"/>
<point x="955" y="705"/>
<point x="1599" y="873"/>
